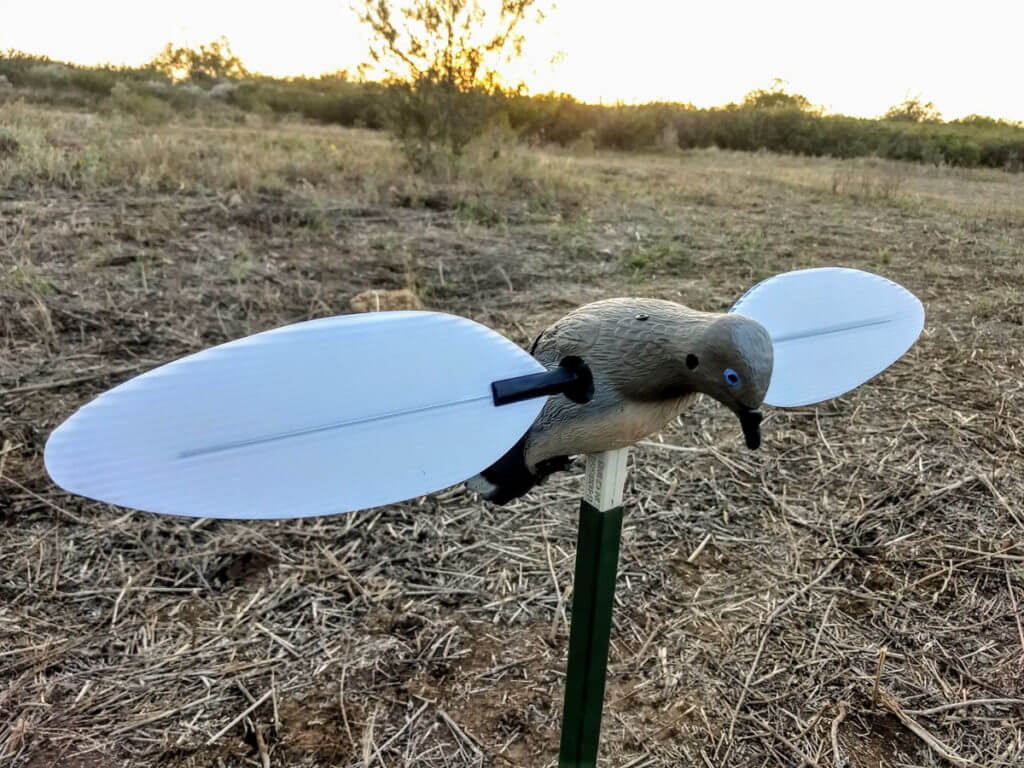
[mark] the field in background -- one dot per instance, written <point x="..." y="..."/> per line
<point x="756" y="588"/>
<point x="766" y="120"/>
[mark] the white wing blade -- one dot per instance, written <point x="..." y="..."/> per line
<point x="832" y="329"/>
<point x="315" y="418"/>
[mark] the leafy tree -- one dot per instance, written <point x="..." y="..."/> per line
<point x="207" y="64"/>
<point x="913" y="110"/>
<point x="441" y="59"/>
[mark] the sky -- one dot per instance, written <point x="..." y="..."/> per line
<point x="854" y="58"/>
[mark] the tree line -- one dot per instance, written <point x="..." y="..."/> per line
<point x="438" y="89"/>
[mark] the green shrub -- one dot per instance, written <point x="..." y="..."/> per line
<point x="327" y="99"/>
<point x="143" y="106"/>
<point x="434" y="121"/>
<point x="913" y="110"/>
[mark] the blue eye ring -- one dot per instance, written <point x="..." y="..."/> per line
<point x="732" y="378"/>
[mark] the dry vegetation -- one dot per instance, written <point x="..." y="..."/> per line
<point x="757" y="590"/>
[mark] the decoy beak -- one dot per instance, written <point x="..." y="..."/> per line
<point x="750" y="420"/>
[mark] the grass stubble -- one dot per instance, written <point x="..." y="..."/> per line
<point x="850" y="595"/>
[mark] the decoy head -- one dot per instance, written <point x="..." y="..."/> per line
<point x="733" y="364"/>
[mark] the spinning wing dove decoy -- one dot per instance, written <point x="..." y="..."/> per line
<point x="649" y="359"/>
<point x="352" y="412"/>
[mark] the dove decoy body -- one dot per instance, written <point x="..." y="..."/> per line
<point x="649" y="360"/>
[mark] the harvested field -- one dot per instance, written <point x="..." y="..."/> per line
<point x="758" y="591"/>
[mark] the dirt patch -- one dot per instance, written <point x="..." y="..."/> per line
<point x="880" y="741"/>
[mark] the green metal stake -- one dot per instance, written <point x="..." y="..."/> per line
<point x="597" y="563"/>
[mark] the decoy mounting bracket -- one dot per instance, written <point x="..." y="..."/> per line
<point x="571" y="378"/>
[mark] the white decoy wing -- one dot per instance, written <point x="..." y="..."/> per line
<point x="832" y="329"/>
<point x="315" y="418"/>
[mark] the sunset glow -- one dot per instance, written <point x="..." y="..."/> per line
<point x="858" y="60"/>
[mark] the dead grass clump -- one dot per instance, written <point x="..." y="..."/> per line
<point x="866" y="180"/>
<point x="8" y="144"/>
<point x="385" y="301"/>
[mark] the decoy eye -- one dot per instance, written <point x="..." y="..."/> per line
<point x="732" y="378"/>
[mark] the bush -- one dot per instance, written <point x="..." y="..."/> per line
<point x="327" y="99"/>
<point x="776" y="98"/>
<point x="143" y="106"/>
<point x="434" y="121"/>
<point x="208" y="64"/>
<point x="913" y="110"/>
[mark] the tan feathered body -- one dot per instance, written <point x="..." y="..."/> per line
<point x="632" y="347"/>
<point x="649" y="359"/>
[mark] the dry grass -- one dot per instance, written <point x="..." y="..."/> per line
<point x="757" y="592"/>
